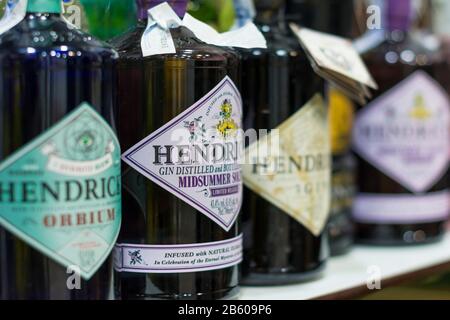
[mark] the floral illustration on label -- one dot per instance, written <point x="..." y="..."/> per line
<point x="196" y="155"/>
<point x="61" y="193"/>
<point x="405" y="133"/>
<point x="297" y="177"/>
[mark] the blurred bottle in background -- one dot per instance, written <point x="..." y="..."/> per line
<point x="331" y="16"/>
<point x="104" y="19"/>
<point x="335" y="17"/>
<point x="402" y="136"/>
<point x="284" y="212"/>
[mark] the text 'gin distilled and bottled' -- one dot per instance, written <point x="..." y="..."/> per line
<point x="180" y="113"/>
<point x="60" y="171"/>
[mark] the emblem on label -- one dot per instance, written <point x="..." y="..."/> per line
<point x="196" y="155"/>
<point x="405" y="133"/>
<point x="295" y="177"/>
<point x="61" y="193"/>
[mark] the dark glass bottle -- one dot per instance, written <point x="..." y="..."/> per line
<point x="278" y="81"/>
<point x="46" y="72"/>
<point x="154" y="90"/>
<point x="331" y="16"/>
<point x="403" y="150"/>
<point x="335" y="17"/>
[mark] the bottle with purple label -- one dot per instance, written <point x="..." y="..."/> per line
<point x="180" y="113"/>
<point x="402" y="136"/>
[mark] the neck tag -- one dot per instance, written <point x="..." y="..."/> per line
<point x="157" y="38"/>
<point x="336" y="59"/>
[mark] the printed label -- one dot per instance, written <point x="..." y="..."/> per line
<point x="341" y="113"/>
<point x="61" y="193"/>
<point x="405" y="133"/>
<point x="196" y="155"/>
<point x="334" y="53"/>
<point x="295" y="177"/>
<point x="410" y="209"/>
<point x="197" y="257"/>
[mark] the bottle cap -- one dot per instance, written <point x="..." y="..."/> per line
<point x="398" y="14"/>
<point x="44" y="6"/>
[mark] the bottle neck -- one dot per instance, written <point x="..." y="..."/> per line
<point x="398" y="16"/>
<point x="179" y="6"/>
<point x="44" y="6"/>
<point x="271" y="17"/>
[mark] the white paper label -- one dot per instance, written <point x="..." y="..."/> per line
<point x="14" y="14"/>
<point x="295" y="178"/>
<point x="197" y="257"/>
<point x="246" y="37"/>
<point x="405" y="133"/>
<point x="196" y="156"/>
<point x="336" y="54"/>
<point x="157" y="38"/>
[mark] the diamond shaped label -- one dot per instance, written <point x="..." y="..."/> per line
<point x="196" y="155"/>
<point x="291" y="167"/>
<point x="61" y="193"/>
<point x="405" y="132"/>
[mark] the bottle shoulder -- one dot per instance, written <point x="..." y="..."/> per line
<point x="280" y="43"/>
<point x="187" y="46"/>
<point x="414" y="49"/>
<point x="38" y="35"/>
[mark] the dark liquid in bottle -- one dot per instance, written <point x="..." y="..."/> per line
<point x="276" y="83"/>
<point x="334" y="17"/>
<point x="388" y="74"/>
<point x="152" y="91"/>
<point x="40" y="83"/>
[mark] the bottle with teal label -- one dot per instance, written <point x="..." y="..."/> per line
<point x="60" y="186"/>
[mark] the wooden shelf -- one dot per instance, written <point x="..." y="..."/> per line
<point x="346" y="277"/>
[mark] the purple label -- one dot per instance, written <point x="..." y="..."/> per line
<point x="405" y="209"/>
<point x="196" y="156"/>
<point x="405" y="133"/>
<point x="178" y="258"/>
<point x="179" y="6"/>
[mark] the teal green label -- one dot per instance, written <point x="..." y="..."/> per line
<point x="61" y="193"/>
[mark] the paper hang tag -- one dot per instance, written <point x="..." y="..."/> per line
<point x="14" y="14"/>
<point x="245" y="12"/>
<point x="246" y="37"/>
<point x="157" y="38"/>
<point x="335" y="59"/>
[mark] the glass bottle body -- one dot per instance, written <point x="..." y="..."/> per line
<point x="152" y="91"/>
<point x="399" y="56"/>
<point x="48" y="70"/>
<point x="277" y="82"/>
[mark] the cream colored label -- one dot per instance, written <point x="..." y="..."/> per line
<point x="335" y="53"/>
<point x="291" y="168"/>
